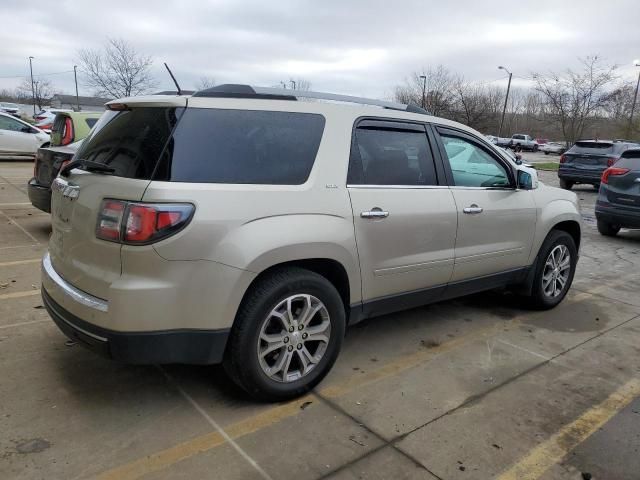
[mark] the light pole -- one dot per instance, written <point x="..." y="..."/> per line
<point x="293" y="84"/>
<point x="33" y="90"/>
<point x="424" y="90"/>
<point x="506" y="98"/>
<point x="635" y="98"/>
<point x="75" y="77"/>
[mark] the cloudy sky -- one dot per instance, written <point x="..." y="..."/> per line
<point x="350" y="46"/>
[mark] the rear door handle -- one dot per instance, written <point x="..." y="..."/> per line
<point x="473" y="209"/>
<point x="375" y="213"/>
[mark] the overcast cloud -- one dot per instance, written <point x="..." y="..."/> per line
<point x="355" y="47"/>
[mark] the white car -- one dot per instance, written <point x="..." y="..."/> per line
<point x="10" y="108"/>
<point x="18" y="139"/>
<point x="553" y="147"/>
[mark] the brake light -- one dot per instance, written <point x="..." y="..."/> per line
<point x="611" y="161"/>
<point x="67" y="135"/>
<point x="615" y="171"/>
<point x="563" y="158"/>
<point x="141" y="223"/>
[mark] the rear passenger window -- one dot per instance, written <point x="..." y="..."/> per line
<point x="242" y="146"/>
<point x="391" y="157"/>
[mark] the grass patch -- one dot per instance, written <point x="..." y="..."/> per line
<point x="553" y="166"/>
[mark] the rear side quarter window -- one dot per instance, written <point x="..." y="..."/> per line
<point x="242" y="147"/>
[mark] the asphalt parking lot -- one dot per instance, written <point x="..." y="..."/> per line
<point x="469" y="389"/>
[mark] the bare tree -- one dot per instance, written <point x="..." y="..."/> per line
<point x="439" y="90"/>
<point x="42" y="90"/>
<point x="205" y="82"/>
<point x="117" y="70"/>
<point x="573" y="98"/>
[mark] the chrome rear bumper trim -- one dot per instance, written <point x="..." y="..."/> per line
<point x="76" y="294"/>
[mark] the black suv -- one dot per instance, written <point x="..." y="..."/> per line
<point x="587" y="160"/>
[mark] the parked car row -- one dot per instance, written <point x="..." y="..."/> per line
<point x="18" y="139"/>
<point x="10" y="108"/>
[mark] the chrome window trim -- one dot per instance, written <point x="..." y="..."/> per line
<point x="76" y="294"/>
<point x="405" y="187"/>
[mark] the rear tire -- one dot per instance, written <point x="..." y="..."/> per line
<point x="271" y="311"/>
<point x="566" y="184"/>
<point x="550" y="285"/>
<point x="546" y="153"/>
<point x="607" y="229"/>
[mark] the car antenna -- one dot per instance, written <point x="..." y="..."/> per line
<point x="173" y="78"/>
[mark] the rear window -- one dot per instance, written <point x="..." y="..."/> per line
<point x="592" y="147"/>
<point x="130" y="141"/>
<point x="242" y="146"/>
<point x="630" y="159"/>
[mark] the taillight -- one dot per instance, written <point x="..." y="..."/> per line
<point x="67" y="136"/>
<point x="563" y="158"/>
<point x="615" y="171"/>
<point x="64" y="164"/>
<point x="611" y="161"/>
<point x="110" y="219"/>
<point x="141" y="223"/>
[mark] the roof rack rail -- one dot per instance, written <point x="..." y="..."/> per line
<point x="247" y="91"/>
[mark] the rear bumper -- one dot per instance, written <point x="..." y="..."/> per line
<point x="202" y="347"/>
<point x="581" y="176"/>
<point x="39" y="195"/>
<point x="616" y="216"/>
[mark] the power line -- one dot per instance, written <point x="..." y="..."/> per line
<point x="38" y="75"/>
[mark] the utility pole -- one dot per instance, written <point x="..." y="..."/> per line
<point x="75" y="77"/>
<point x="424" y="90"/>
<point x="506" y="98"/>
<point x="284" y="85"/>
<point x="293" y="84"/>
<point x="633" y="105"/>
<point x="33" y="90"/>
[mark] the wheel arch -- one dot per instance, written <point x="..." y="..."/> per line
<point x="331" y="269"/>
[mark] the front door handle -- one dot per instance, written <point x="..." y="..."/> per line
<point x="375" y="212"/>
<point x="473" y="209"/>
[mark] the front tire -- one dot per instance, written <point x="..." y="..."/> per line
<point x="566" y="184"/>
<point x="554" y="270"/>
<point x="287" y="334"/>
<point x="546" y="153"/>
<point x="608" y="229"/>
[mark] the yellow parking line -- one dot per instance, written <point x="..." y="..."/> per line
<point x="182" y="451"/>
<point x="554" y="449"/>
<point x="196" y="445"/>
<point x="28" y="293"/>
<point x="20" y="262"/>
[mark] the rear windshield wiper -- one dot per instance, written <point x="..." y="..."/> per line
<point x="88" y="165"/>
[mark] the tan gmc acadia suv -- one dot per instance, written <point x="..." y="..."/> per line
<point x="241" y="226"/>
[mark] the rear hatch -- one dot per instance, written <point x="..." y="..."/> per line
<point x="130" y="141"/>
<point x="591" y="156"/>
<point x="623" y="190"/>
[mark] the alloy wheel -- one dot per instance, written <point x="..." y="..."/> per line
<point x="293" y="338"/>
<point x="557" y="269"/>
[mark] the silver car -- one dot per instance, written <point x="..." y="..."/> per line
<point x="239" y="225"/>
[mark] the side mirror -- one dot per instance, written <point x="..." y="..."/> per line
<point x="527" y="178"/>
<point x="27" y="129"/>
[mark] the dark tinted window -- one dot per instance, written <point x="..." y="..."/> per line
<point x="592" y="147"/>
<point x="240" y="146"/>
<point x="629" y="159"/>
<point x="391" y="157"/>
<point x="130" y="141"/>
<point x="90" y="122"/>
